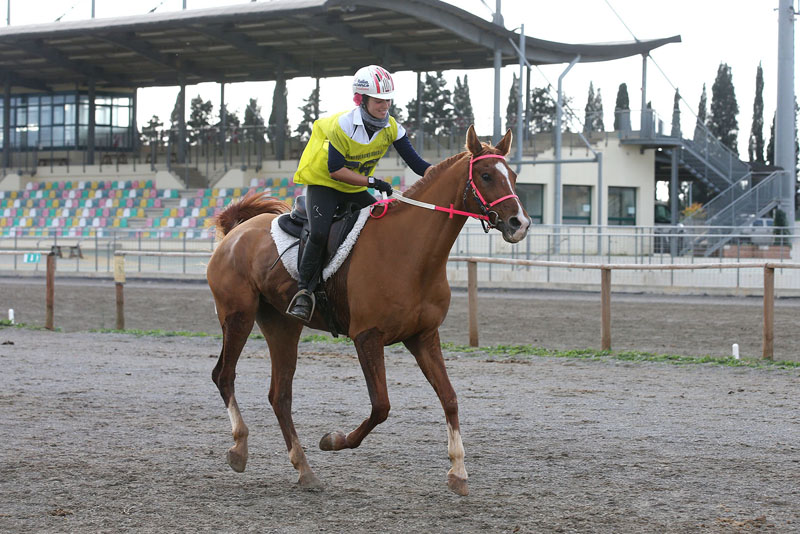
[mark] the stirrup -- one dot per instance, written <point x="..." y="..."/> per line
<point x="293" y="303"/>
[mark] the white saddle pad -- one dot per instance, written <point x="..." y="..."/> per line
<point x="283" y="241"/>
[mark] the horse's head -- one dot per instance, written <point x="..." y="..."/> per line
<point x="493" y="184"/>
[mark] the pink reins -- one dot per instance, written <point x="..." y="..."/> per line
<point x="451" y="211"/>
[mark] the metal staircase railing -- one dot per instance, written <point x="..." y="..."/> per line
<point x="732" y="209"/>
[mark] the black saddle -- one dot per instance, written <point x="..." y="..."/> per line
<point x="296" y="225"/>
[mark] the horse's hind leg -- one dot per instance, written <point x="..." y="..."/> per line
<point x="236" y="327"/>
<point x="428" y="352"/>
<point x="282" y="335"/>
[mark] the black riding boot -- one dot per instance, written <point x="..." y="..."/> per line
<point x="302" y="305"/>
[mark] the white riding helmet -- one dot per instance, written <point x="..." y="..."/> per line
<point x="374" y="81"/>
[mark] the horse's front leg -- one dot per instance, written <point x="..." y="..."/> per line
<point x="428" y="352"/>
<point x="369" y="345"/>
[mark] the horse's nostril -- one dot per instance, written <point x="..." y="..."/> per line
<point x="514" y="223"/>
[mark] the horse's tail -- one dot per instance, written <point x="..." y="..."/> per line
<point x="248" y="207"/>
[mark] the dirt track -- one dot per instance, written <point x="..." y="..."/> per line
<point x="111" y="433"/>
<point x="691" y="326"/>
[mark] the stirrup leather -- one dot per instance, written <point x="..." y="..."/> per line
<point x="307" y="293"/>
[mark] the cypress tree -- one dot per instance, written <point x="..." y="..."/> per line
<point x="511" y="109"/>
<point x="589" y="111"/>
<point x="702" y="108"/>
<point x="620" y="107"/>
<point x="755" y="146"/>
<point x="771" y="144"/>
<point x="722" y="121"/>
<point x="676" y="115"/>
<point x="462" y="107"/>
<point x="598" y="125"/>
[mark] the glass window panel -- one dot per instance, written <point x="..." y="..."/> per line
<point x="33" y="116"/>
<point x="33" y="138"/>
<point x="46" y="115"/>
<point x="58" y="114"/>
<point x="102" y="136"/>
<point x="85" y="99"/>
<point x="69" y="114"/>
<point x="58" y="136"/>
<point x="531" y="196"/>
<point x="83" y="135"/>
<point x="577" y="204"/>
<point x="46" y="136"/>
<point x="102" y="115"/>
<point x="122" y="117"/>
<point x="58" y="99"/>
<point x="83" y="113"/>
<point x="70" y="99"/>
<point x="622" y="206"/>
<point x="22" y="116"/>
<point x="47" y="100"/>
<point x="102" y="100"/>
<point x="122" y="101"/>
<point x="33" y="101"/>
<point x="69" y="136"/>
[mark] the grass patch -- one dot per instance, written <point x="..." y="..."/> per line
<point x="9" y="324"/>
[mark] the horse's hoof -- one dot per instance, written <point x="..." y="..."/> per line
<point x="236" y="460"/>
<point x="457" y="485"/>
<point x="333" y="441"/>
<point x="309" y="482"/>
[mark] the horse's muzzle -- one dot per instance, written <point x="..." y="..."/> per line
<point x="515" y="228"/>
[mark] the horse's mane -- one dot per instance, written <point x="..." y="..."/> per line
<point x="437" y="169"/>
<point x="249" y="206"/>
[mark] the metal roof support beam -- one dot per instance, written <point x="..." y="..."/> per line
<point x="557" y="143"/>
<point x="19" y="81"/>
<point x="251" y="48"/>
<point x="90" y="134"/>
<point x="61" y="60"/>
<point x="147" y="51"/>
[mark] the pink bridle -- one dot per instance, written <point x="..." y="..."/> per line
<point x="484" y="216"/>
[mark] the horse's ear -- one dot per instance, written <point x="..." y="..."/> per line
<point x="504" y="146"/>
<point x="473" y="144"/>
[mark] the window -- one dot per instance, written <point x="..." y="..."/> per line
<point x="577" y="204"/>
<point x="622" y="206"/>
<point x="531" y="197"/>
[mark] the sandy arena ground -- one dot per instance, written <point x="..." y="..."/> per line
<point x="119" y="433"/>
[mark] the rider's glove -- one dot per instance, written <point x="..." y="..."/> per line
<point x="379" y="185"/>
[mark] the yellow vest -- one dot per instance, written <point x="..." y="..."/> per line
<point x="313" y="167"/>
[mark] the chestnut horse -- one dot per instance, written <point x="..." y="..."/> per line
<point x="392" y="288"/>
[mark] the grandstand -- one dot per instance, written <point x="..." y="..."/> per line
<point x="101" y="207"/>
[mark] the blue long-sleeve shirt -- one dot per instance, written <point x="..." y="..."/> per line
<point x="403" y="146"/>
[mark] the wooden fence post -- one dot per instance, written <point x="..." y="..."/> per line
<point x="50" y="290"/>
<point x="472" y="301"/>
<point x="605" y="307"/>
<point x="769" y="313"/>
<point x="119" y="282"/>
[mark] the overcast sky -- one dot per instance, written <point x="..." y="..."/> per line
<point x="741" y="33"/>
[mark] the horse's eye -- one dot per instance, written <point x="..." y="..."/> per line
<point x="486" y="177"/>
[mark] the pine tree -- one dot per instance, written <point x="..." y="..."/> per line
<point x="755" y="146"/>
<point x="622" y="108"/>
<point x="199" y="117"/>
<point x="543" y="111"/>
<point x="676" y="115"/>
<point x="437" y="108"/>
<point x="279" y="116"/>
<point x="462" y="107"/>
<point x="722" y="120"/>
<point x="396" y="112"/>
<point x="253" y="121"/>
<point x="311" y="113"/>
<point x="513" y="101"/>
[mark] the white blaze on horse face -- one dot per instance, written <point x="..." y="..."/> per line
<point x="525" y="221"/>
<point x="455" y="450"/>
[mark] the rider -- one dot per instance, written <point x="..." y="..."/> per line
<point x="337" y="166"/>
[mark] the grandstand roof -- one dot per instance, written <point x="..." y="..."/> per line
<point x="257" y="40"/>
